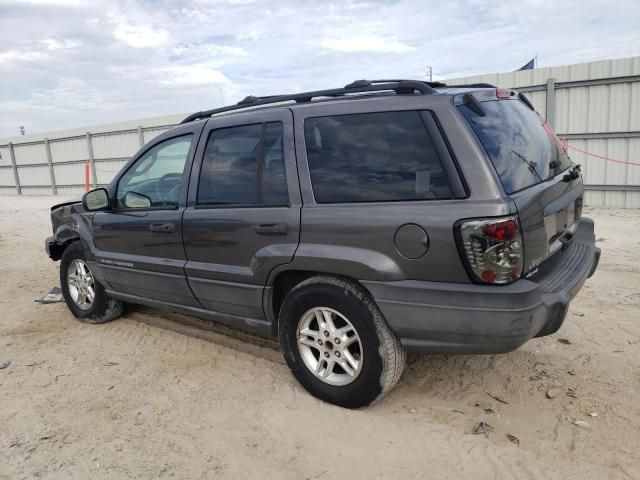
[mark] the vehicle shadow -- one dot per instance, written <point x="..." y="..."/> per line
<point x="435" y="376"/>
<point x="265" y="348"/>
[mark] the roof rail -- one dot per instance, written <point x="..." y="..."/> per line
<point x="472" y="85"/>
<point x="401" y="87"/>
<point x="360" y="83"/>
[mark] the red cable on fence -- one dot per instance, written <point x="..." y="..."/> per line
<point x="564" y="144"/>
<point x="601" y="156"/>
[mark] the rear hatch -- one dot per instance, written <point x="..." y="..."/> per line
<point x="534" y="169"/>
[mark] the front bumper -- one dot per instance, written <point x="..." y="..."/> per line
<point x="52" y="248"/>
<point x="468" y="318"/>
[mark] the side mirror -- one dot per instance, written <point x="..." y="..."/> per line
<point x="136" y="200"/>
<point x="97" y="199"/>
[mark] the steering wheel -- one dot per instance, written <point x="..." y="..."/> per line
<point x="166" y="186"/>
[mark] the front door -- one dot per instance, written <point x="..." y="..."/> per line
<point x="139" y="241"/>
<point x="243" y="214"/>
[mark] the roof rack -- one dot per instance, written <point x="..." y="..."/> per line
<point x="359" y="83"/>
<point x="401" y="87"/>
<point x="472" y="85"/>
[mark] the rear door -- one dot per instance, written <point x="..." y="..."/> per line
<point x="243" y="215"/>
<point x="379" y="185"/>
<point x="532" y="167"/>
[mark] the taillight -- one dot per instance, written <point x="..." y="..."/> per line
<point x="492" y="248"/>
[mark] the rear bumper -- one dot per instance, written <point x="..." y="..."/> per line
<point x="469" y="318"/>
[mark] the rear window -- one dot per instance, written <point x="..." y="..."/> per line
<point x="373" y="157"/>
<point x="523" y="150"/>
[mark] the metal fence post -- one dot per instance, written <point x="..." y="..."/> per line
<point x="16" y="178"/>
<point x="52" y="175"/>
<point x="551" y="102"/>
<point x="140" y="136"/>
<point x="92" y="161"/>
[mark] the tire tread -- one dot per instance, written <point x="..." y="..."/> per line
<point x="391" y="351"/>
<point x="105" y="309"/>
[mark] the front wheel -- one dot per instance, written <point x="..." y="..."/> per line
<point x="337" y="343"/>
<point x="82" y="293"/>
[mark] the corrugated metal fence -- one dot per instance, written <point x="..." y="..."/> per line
<point x="595" y="106"/>
<point x="55" y="164"/>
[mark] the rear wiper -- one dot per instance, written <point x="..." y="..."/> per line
<point x="532" y="165"/>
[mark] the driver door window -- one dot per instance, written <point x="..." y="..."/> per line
<point x="155" y="179"/>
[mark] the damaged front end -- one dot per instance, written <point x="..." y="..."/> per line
<point x="64" y="221"/>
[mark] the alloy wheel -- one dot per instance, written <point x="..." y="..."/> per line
<point x="81" y="284"/>
<point x="330" y="346"/>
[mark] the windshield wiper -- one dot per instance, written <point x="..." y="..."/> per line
<point x="532" y="165"/>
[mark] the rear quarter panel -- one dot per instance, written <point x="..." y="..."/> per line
<point x="357" y="239"/>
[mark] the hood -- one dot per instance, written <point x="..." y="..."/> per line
<point x="68" y="202"/>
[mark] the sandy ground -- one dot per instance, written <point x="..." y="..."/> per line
<point x="147" y="397"/>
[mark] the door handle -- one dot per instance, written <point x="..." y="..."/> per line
<point x="271" y="229"/>
<point x="162" y="227"/>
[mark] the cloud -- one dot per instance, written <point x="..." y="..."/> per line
<point x="53" y="44"/>
<point x="203" y="54"/>
<point x="366" y="43"/>
<point x="70" y="63"/>
<point x="191" y="76"/>
<point x="140" y="36"/>
<point x="208" y="49"/>
<point x="65" y="3"/>
<point x="26" y="56"/>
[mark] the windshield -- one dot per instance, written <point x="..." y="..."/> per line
<point x="522" y="148"/>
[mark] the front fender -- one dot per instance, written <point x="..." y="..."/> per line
<point x="70" y="223"/>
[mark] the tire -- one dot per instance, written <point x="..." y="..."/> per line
<point x="102" y="308"/>
<point x="374" y="347"/>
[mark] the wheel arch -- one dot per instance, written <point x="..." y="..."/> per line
<point x="56" y="248"/>
<point x="69" y="225"/>
<point x="283" y="281"/>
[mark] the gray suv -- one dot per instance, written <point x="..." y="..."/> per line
<point x="354" y="224"/>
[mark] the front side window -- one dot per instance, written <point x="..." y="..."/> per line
<point x="373" y="157"/>
<point x="155" y="179"/>
<point x="243" y="165"/>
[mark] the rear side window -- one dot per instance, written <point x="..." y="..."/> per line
<point x="243" y="165"/>
<point x="373" y="157"/>
<point x="523" y="150"/>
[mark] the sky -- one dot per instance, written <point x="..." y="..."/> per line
<point x="72" y="63"/>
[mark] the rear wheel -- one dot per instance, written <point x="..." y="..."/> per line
<point x="337" y="343"/>
<point x="82" y="293"/>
